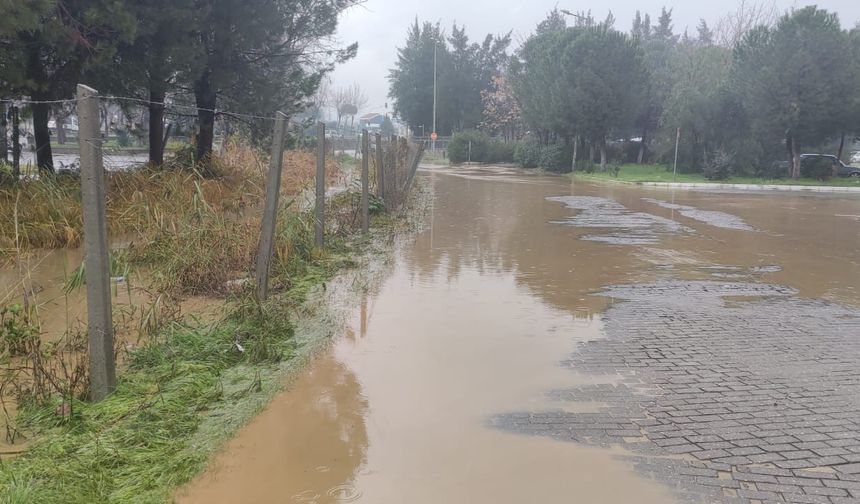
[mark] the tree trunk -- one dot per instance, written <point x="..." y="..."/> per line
<point x="156" y="125"/>
<point x="61" y="133"/>
<point x="839" y="155"/>
<point x="106" y="116"/>
<point x="41" y="133"/>
<point x="206" y="99"/>
<point x="590" y="153"/>
<point x="575" y="148"/>
<point x="640" y="158"/>
<point x="4" y="147"/>
<point x="841" y="147"/>
<point x="603" y="154"/>
<point x="795" y="158"/>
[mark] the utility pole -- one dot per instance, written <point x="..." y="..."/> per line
<point x="677" y="141"/>
<point x="433" y="140"/>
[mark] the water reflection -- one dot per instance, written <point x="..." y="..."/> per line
<point x="315" y="433"/>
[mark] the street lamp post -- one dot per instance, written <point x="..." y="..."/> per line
<point x="433" y="138"/>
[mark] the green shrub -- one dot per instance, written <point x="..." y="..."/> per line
<point x="818" y="168"/>
<point x="458" y="149"/>
<point x="528" y="154"/>
<point x="555" y="158"/>
<point x="719" y="166"/>
<point x="500" y="152"/>
<point x="483" y="148"/>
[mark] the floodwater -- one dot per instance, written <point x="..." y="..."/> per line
<point x="59" y="312"/>
<point x="113" y="161"/>
<point x="475" y="320"/>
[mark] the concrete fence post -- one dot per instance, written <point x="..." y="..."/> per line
<point x="97" y="260"/>
<point x="319" y="202"/>
<point x="412" y="169"/>
<point x="270" y="211"/>
<point x="395" y="163"/>
<point x="365" y="182"/>
<point x="380" y="172"/>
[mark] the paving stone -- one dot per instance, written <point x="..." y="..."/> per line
<point x="763" y="397"/>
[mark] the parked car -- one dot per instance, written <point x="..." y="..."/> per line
<point x="808" y="163"/>
<point x="855" y="157"/>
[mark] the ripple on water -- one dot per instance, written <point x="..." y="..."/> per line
<point x="344" y="493"/>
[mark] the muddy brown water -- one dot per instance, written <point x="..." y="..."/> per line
<point x="473" y="322"/>
<point x="43" y="274"/>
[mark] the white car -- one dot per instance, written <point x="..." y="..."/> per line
<point x="855" y="157"/>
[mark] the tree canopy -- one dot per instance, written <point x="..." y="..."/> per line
<point x="464" y="69"/>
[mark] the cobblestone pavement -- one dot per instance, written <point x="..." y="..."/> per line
<point x="729" y="392"/>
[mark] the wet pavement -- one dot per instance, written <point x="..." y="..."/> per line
<point x="549" y="341"/>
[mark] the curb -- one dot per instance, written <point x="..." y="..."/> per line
<point x="753" y="187"/>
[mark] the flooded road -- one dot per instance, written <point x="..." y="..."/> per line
<point x="460" y="376"/>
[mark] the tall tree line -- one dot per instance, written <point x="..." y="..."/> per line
<point x="250" y="56"/>
<point x="754" y="87"/>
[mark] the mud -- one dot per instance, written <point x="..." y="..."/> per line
<point x="514" y="314"/>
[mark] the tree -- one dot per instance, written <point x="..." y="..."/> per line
<point x="658" y="45"/>
<point x="464" y="70"/>
<point x="850" y="123"/>
<point x="607" y="81"/>
<point x="502" y="113"/>
<point x="695" y="102"/>
<point x="348" y="101"/>
<point x="734" y="26"/>
<point x="704" y="36"/>
<point x="411" y="79"/>
<point x="149" y="66"/>
<point x="794" y="78"/>
<point x="538" y="80"/>
<point x="47" y="46"/>
<point x="259" y="56"/>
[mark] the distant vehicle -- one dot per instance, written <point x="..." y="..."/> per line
<point x="855" y="157"/>
<point x="843" y="170"/>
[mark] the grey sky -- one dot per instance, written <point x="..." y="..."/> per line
<point x="379" y="26"/>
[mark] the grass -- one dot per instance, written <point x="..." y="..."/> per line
<point x="191" y="384"/>
<point x="657" y="173"/>
<point x="46" y="212"/>
<point x="179" y="397"/>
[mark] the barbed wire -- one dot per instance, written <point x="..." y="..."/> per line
<point x="215" y="111"/>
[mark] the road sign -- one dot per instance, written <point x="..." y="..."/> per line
<point x="433" y="136"/>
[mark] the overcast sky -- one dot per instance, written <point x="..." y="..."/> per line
<point x="379" y="26"/>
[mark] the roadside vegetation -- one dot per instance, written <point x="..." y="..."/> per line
<point x="184" y="383"/>
<point x="737" y="95"/>
<point x="634" y="173"/>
